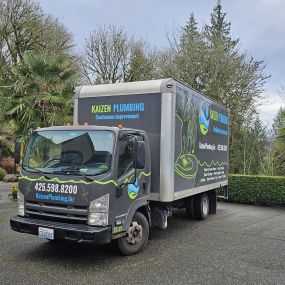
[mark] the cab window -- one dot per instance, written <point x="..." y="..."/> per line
<point x="126" y="155"/>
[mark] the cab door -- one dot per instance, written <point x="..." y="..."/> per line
<point x="133" y="184"/>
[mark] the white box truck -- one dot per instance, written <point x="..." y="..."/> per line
<point x="135" y="152"/>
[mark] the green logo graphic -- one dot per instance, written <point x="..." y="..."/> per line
<point x="133" y="190"/>
<point x="204" y="118"/>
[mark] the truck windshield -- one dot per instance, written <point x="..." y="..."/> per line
<point x="79" y="152"/>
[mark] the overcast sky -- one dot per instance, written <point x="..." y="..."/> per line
<point x="259" y="24"/>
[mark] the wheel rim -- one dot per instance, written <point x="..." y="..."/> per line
<point x="134" y="233"/>
<point x="205" y="206"/>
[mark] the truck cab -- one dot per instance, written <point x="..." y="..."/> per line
<point x="84" y="183"/>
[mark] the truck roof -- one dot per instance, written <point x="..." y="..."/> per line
<point x="165" y="85"/>
<point x="85" y="128"/>
<point x="138" y="87"/>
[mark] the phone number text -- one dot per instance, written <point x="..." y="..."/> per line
<point x="56" y="188"/>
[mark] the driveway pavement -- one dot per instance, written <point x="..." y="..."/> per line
<point x="240" y="245"/>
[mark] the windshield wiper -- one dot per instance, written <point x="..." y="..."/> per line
<point x="68" y="170"/>
<point x="37" y="170"/>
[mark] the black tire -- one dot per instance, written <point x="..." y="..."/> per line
<point x="201" y="206"/>
<point x="128" y="248"/>
<point x="189" y="207"/>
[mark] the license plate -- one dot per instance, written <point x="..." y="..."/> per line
<point x="46" y="233"/>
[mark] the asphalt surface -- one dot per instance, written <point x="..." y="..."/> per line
<point x="240" y="245"/>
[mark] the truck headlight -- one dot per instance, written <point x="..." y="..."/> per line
<point x="99" y="211"/>
<point x="21" y="204"/>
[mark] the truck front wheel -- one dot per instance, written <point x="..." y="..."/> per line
<point x="136" y="236"/>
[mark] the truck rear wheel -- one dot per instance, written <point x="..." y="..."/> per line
<point x="201" y="206"/>
<point x="136" y="236"/>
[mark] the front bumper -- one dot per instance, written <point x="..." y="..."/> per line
<point x="63" y="231"/>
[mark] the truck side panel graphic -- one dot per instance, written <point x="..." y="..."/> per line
<point x="201" y="140"/>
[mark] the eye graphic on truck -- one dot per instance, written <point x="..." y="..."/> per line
<point x="204" y="118"/>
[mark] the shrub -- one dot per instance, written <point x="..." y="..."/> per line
<point x="257" y="190"/>
<point x="2" y="173"/>
<point x="14" y="191"/>
<point x="7" y="163"/>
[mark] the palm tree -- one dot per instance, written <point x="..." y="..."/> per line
<point x="42" y="93"/>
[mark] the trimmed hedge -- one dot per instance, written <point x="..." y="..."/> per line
<point x="257" y="190"/>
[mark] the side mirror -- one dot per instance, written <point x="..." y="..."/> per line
<point x="140" y="155"/>
<point x="17" y="152"/>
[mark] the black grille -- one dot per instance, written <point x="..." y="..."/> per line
<point x="54" y="212"/>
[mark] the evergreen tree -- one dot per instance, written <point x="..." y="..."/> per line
<point x="190" y="31"/>
<point x="191" y="55"/>
<point x="218" y="33"/>
<point x="276" y="155"/>
<point x="253" y="145"/>
<point x="186" y="57"/>
<point x="211" y="62"/>
<point x="141" y="65"/>
<point x="278" y="122"/>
